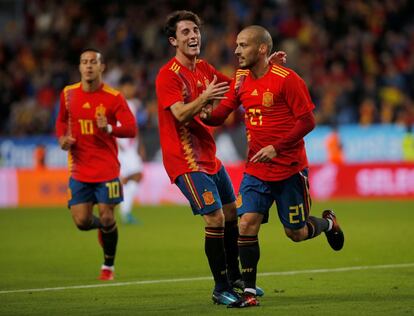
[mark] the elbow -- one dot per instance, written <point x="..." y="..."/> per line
<point x="181" y="118"/>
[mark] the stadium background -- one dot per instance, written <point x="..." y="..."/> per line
<point x="357" y="58"/>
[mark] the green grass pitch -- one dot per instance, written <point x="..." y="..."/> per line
<point x="41" y="251"/>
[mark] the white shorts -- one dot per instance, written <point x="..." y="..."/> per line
<point x="130" y="162"/>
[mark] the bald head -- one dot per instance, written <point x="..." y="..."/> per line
<point x="260" y="35"/>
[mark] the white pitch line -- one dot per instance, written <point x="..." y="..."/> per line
<point x="343" y="269"/>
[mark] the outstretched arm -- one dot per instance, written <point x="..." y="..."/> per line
<point x="215" y="115"/>
<point x="184" y="112"/>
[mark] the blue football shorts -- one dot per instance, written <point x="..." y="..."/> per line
<point x="206" y="193"/>
<point x="107" y="192"/>
<point x="291" y="195"/>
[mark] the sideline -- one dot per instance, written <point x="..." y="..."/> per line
<point x="343" y="269"/>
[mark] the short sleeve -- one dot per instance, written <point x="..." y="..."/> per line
<point x="169" y="89"/>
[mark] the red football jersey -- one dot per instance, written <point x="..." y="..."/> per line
<point x="188" y="146"/>
<point x="271" y="104"/>
<point x="94" y="156"/>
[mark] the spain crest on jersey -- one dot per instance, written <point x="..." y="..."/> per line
<point x="267" y="99"/>
<point x="208" y="197"/>
<point x="100" y="110"/>
<point x="239" y="201"/>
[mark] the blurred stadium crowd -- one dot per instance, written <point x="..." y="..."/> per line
<point x="356" y="56"/>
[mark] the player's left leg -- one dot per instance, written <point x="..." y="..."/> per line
<point x="201" y="191"/>
<point x="108" y="194"/>
<point x="294" y="204"/>
<point x="109" y="239"/>
<point x="231" y="230"/>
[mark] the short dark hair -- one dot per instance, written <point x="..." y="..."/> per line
<point x="170" y="26"/>
<point x="262" y="36"/>
<point x="91" y="49"/>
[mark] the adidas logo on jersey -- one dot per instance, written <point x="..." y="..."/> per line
<point x="86" y="105"/>
<point x="254" y="92"/>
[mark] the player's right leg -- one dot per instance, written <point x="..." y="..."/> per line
<point x="201" y="191"/>
<point x="253" y="204"/>
<point x="81" y="200"/>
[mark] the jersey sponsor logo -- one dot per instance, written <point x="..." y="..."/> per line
<point x="208" y="198"/>
<point x="267" y="99"/>
<point x="254" y="92"/>
<point x="86" y="105"/>
<point x="239" y="201"/>
<point x="100" y="110"/>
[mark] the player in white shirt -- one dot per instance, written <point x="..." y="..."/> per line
<point x="129" y="158"/>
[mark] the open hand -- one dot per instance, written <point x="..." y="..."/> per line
<point x="265" y="154"/>
<point x="278" y="58"/>
<point x="215" y="91"/>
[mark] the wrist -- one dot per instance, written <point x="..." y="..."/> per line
<point x="203" y="100"/>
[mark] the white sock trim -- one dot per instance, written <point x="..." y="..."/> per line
<point x="250" y="290"/>
<point x="330" y="224"/>
<point x="104" y="267"/>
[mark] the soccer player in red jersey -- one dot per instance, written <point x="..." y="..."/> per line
<point x="184" y="85"/>
<point x="278" y="114"/>
<point x="86" y="127"/>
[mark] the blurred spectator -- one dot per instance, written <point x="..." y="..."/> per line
<point x="39" y="157"/>
<point x="334" y="147"/>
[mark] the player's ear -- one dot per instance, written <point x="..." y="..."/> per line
<point x="103" y="66"/>
<point x="173" y="41"/>
<point x="262" y="49"/>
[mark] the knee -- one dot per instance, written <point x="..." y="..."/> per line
<point x="83" y="224"/>
<point x="296" y="235"/>
<point x="215" y="219"/>
<point x="107" y="220"/>
<point x="244" y="227"/>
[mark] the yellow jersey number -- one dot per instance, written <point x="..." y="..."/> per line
<point x="86" y="127"/>
<point x="255" y="117"/>
<point x="113" y="189"/>
<point x="296" y="213"/>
